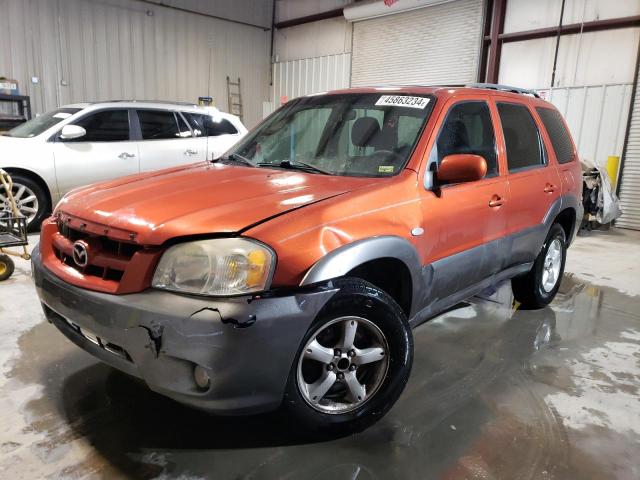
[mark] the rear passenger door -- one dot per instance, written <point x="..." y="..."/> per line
<point x="217" y="133"/>
<point x="534" y="184"/>
<point x="166" y="140"/>
<point x="564" y="150"/>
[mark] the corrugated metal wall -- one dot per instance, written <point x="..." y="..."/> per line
<point x="88" y="50"/>
<point x="597" y="117"/>
<point x="630" y="181"/>
<point x="309" y="75"/>
<point x="429" y="46"/>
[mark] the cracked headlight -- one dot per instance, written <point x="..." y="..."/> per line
<point x="219" y="266"/>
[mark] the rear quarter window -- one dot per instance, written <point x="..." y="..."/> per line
<point x="560" y="138"/>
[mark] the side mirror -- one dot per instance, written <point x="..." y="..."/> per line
<point x="461" y="168"/>
<point x="70" y="132"/>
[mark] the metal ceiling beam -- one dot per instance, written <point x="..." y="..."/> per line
<point x="310" y="18"/>
<point x="593" y="26"/>
<point x="160" y="3"/>
<point x="498" y="10"/>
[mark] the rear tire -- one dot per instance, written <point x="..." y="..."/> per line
<point x="33" y="202"/>
<point x="381" y="356"/>
<point x="539" y="286"/>
<point x="6" y="267"/>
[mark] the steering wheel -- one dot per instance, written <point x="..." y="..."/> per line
<point x="386" y="155"/>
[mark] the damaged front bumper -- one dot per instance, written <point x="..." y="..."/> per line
<point x="246" y="345"/>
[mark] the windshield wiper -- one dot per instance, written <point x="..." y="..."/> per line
<point x="236" y="157"/>
<point x="297" y="165"/>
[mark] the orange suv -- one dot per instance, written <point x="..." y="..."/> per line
<point x="292" y="270"/>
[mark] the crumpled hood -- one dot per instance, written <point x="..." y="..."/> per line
<point x="199" y="199"/>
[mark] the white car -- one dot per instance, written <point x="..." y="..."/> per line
<point x="86" y="143"/>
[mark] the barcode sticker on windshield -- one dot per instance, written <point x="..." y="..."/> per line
<point x="402" y="101"/>
<point x="62" y="115"/>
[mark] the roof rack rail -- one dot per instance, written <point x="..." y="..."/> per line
<point x="504" y="88"/>
<point x="165" y="102"/>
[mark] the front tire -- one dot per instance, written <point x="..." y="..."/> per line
<point x="539" y="286"/>
<point x="353" y="363"/>
<point x="32" y="201"/>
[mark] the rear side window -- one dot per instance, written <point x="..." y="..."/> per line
<point x="207" y="126"/>
<point x="521" y="137"/>
<point x="185" y="131"/>
<point x="196" y="120"/>
<point x="468" y="129"/>
<point x="215" y="127"/>
<point x="158" y="125"/>
<point x="104" y="126"/>
<point x="560" y="138"/>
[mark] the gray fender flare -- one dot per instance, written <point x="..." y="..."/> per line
<point x="342" y="260"/>
<point x="563" y="203"/>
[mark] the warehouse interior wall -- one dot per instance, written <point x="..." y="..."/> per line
<point x="66" y="51"/>
<point x="312" y="57"/>
<point x="594" y="71"/>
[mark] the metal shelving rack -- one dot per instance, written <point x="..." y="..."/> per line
<point x="21" y="105"/>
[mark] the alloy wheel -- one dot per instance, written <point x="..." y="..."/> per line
<point x="26" y="201"/>
<point x="552" y="265"/>
<point x="342" y="365"/>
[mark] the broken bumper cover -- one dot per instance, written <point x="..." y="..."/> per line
<point x="247" y="346"/>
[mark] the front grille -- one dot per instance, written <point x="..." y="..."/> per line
<point x="107" y="258"/>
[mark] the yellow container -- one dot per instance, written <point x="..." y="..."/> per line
<point x="613" y="163"/>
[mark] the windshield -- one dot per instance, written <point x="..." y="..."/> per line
<point x="350" y="134"/>
<point x="41" y="123"/>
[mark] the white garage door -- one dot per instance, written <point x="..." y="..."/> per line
<point x="428" y="46"/>
<point x="630" y="182"/>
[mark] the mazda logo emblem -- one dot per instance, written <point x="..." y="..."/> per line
<point x="81" y="254"/>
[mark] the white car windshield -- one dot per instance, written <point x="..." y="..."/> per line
<point x="361" y="134"/>
<point x="41" y="123"/>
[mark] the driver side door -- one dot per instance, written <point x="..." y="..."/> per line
<point x="464" y="223"/>
<point x="105" y="152"/>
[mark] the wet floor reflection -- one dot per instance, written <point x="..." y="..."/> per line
<point x="495" y="392"/>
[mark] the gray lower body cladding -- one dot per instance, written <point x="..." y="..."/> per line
<point x="247" y="346"/>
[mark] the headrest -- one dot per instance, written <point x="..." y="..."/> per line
<point x="511" y="137"/>
<point x="364" y="131"/>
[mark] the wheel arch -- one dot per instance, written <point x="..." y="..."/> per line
<point x="389" y="262"/>
<point x="567" y="211"/>
<point x="35" y="177"/>
<point x="567" y="220"/>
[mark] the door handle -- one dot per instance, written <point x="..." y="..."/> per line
<point x="190" y="152"/>
<point x="496" y="201"/>
<point x="124" y="155"/>
<point x="549" y="188"/>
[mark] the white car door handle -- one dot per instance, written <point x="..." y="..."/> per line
<point x="190" y="152"/>
<point x="124" y="155"/>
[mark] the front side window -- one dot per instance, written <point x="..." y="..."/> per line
<point x="560" y="138"/>
<point x="350" y="134"/>
<point x="158" y="125"/>
<point x="41" y="123"/>
<point x="104" y="126"/>
<point x="468" y="129"/>
<point x="521" y="137"/>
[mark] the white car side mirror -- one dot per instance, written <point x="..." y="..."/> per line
<point x="70" y="132"/>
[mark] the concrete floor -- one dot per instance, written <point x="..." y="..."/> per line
<point x="494" y="393"/>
